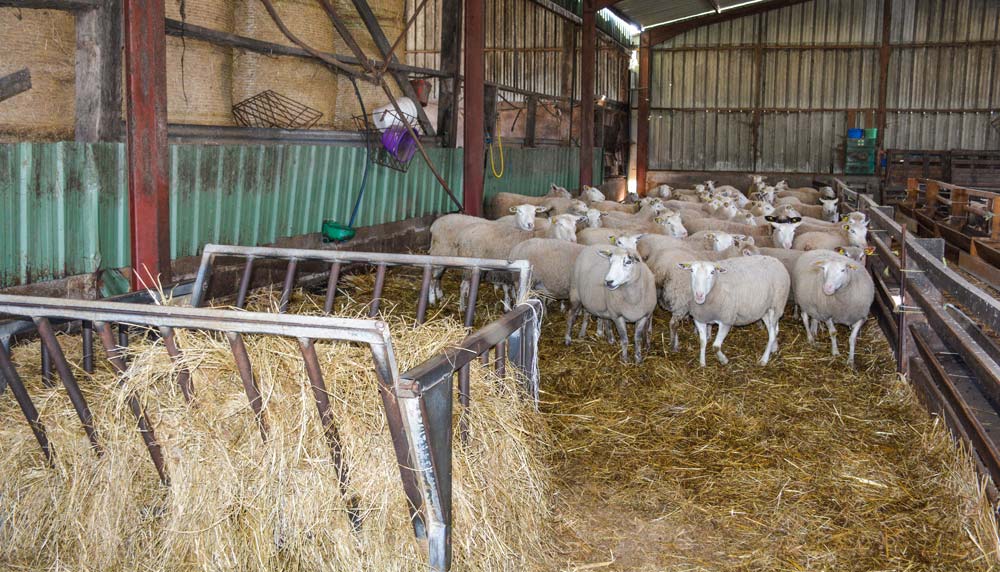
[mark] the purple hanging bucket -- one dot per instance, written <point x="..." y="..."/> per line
<point x="400" y="144"/>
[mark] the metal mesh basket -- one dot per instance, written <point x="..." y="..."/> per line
<point x="392" y="147"/>
<point x="271" y="109"/>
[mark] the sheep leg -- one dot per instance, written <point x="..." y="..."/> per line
<point x="640" y="337"/>
<point x="622" y="337"/>
<point x="573" y="311"/>
<point x="611" y="332"/>
<point x="675" y="339"/>
<point x="463" y="293"/>
<point x="855" y="329"/>
<point x="703" y="338"/>
<point x="649" y="332"/>
<point x="583" y="324"/>
<point x="814" y="328"/>
<point x="805" y="322"/>
<point x="833" y="337"/>
<point x="771" y="321"/>
<point x="436" y="293"/>
<point x="720" y="337"/>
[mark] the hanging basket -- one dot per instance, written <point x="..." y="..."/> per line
<point x="393" y="146"/>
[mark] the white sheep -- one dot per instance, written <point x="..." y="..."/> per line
<point x="695" y="225"/>
<point x="834" y="289"/>
<point x="848" y="234"/>
<point x="501" y="202"/>
<point x="552" y="262"/>
<point x="594" y="217"/>
<point x="761" y="208"/>
<point x="522" y="217"/>
<point x="560" y="205"/>
<point x="660" y="191"/>
<point x="726" y="211"/>
<point x="737" y="292"/>
<point x="592" y="194"/>
<point x="614" y="284"/>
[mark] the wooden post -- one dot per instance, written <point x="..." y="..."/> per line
<point x="531" y="121"/>
<point x="912" y="192"/>
<point x="884" y="56"/>
<point x="448" y="88"/>
<point x="588" y="60"/>
<point x="146" y="139"/>
<point x="959" y="202"/>
<point x="475" y="92"/>
<point x="995" y="220"/>
<point x="930" y="199"/>
<point x="99" y="73"/>
<point x="642" y="121"/>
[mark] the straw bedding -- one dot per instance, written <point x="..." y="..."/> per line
<point x="802" y="465"/>
<point x="237" y="504"/>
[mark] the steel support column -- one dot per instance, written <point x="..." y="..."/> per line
<point x="642" y="121"/>
<point x="475" y="123"/>
<point x="588" y="59"/>
<point x="146" y="139"/>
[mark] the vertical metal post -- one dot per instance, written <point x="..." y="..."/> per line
<point x="8" y="372"/>
<point x="425" y="288"/>
<point x="331" y="288"/>
<point x="249" y="383"/>
<point x="884" y="57"/>
<point x="286" y="290"/>
<point x="87" y="329"/>
<point x="146" y="138"/>
<point x="464" y="398"/>
<point x="183" y="376"/>
<point x="448" y="88"/>
<point x="377" y="296"/>
<point x="500" y="353"/>
<point x="241" y="297"/>
<point x="46" y="368"/>
<point x="902" y="329"/>
<point x="474" y="134"/>
<point x="587" y="63"/>
<point x="470" y="309"/>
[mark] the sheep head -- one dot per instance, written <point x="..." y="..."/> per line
<point x="703" y="276"/>
<point x="624" y="267"/>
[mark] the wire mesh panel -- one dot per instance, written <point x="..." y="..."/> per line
<point x="389" y="142"/>
<point x="271" y="109"/>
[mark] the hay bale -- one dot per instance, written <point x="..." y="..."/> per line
<point x="44" y="41"/>
<point x="199" y="74"/>
<point x="305" y="81"/>
<point x="236" y="503"/>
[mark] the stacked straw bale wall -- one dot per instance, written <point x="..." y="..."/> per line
<point x="203" y="80"/>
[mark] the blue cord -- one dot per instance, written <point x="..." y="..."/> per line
<point x="368" y="151"/>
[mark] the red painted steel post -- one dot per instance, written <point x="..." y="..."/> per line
<point x="642" y="120"/>
<point x="588" y="58"/>
<point x="475" y="121"/>
<point x="146" y="139"/>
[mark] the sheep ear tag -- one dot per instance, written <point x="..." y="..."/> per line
<point x="847" y="227"/>
<point x="852" y="266"/>
<point x="613" y="239"/>
<point x="869" y="250"/>
<point x="684" y="266"/>
<point x="605" y="253"/>
<point x="513" y="209"/>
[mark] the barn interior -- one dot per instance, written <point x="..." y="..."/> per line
<point x="624" y="285"/>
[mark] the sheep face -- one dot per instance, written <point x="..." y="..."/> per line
<point x="703" y="276"/>
<point x="592" y="194"/>
<point x="758" y="181"/>
<point x="710" y="185"/>
<point x="564" y="227"/>
<point x="827" y="192"/>
<point x="746" y="217"/>
<point x="784" y="230"/>
<point x="578" y="208"/>
<point x="719" y="241"/>
<point x="856" y="217"/>
<point x="624" y="268"/>
<point x="593" y="217"/>
<point x="728" y="210"/>
<point x="524" y="215"/>
<point x="699" y="189"/>
<point x="646" y="201"/>
<point x="829" y="209"/>
<point x="781" y="186"/>
<point x="836" y="274"/>
<point x="767" y="194"/>
<point x="857" y="233"/>
<point x="672" y="225"/>
<point x="557" y="191"/>
<point x="664" y="191"/>
<point x="628" y="241"/>
<point x="788" y="211"/>
<point x="856" y="253"/>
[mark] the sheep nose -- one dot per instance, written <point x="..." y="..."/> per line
<point x="609" y="283"/>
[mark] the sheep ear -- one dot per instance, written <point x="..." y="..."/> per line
<point x="720" y="270"/>
<point x="771" y="218"/>
<point x="852" y="266"/>
<point x="605" y="253"/>
<point x="541" y="209"/>
<point x="841" y="251"/>
<point x="684" y="266"/>
<point x="747" y="252"/>
<point x="795" y="219"/>
<point x="604" y="214"/>
<point x="581" y="219"/>
<point x="847" y="227"/>
<point x="869" y="250"/>
<point x="710" y="236"/>
<point x="739" y="237"/>
<point x="818" y="264"/>
<point x="513" y="209"/>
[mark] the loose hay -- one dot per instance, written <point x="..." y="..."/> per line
<point x="238" y="504"/>
<point x="802" y="465"/>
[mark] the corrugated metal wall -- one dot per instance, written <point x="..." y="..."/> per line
<point x="818" y="66"/>
<point x="64" y="206"/>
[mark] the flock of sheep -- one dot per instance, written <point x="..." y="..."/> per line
<point x="714" y="253"/>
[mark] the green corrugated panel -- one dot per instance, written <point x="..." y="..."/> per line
<point x="532" y="171"/>
<point x="65" y="205"/>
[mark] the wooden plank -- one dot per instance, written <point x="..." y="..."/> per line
<point x="531" y="122"/>
<point x="187" y="30"/>
<point x="15" y="83"/>
<point x="642" y="121"/>
<point x="67" y="5"/>
<point x="451" y="63"/>
<point x="99" y="73"/>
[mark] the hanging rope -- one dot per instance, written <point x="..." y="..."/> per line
<point x="499" y="144"/>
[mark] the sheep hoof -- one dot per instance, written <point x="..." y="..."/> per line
<point x="567" y="340"/>
<point x="762" y="361"/>
<point x="722" y="358"/>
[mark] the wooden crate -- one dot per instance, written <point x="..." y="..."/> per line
<point x="975" y="168"/>
<point x="902" y="164"/>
